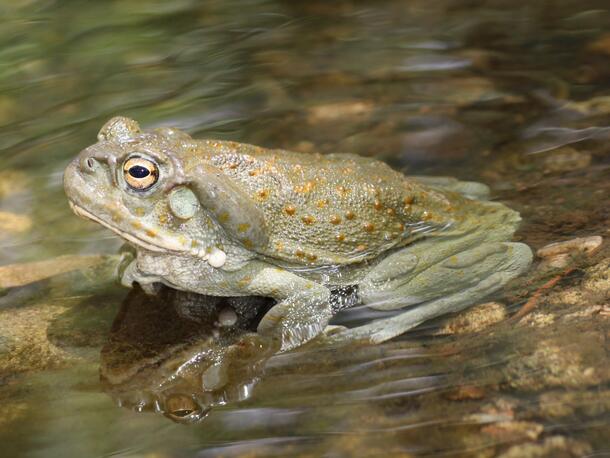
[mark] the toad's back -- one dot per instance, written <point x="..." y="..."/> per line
<point x="329" y="209"/>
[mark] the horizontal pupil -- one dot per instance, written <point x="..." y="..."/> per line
<point x="137" y="171"/>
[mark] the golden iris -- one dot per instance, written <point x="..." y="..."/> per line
<point x="140" y="173"/>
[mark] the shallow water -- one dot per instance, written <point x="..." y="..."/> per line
<point x="513" y="94"/>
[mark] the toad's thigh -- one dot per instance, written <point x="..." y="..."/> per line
<point x="423" y="279"/>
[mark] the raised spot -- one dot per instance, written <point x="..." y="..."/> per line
<point x="217" y="258"/>
<point x="308" y="219"/>
<point x="361" y="248"/>
<point x="390" y="211"/>
<point x="369" y="227"/>
<point x="290" y="210"/>
<point x="263" y="194"/>
<point x="340" y="237"/>
<point x="151" y="232"/>
<point x="163" y="218"/>
<point x="350" y="215"/>
<point x="243" y="227"/>
<point x="322" y="203"/>
<point x="335" y="219"/>
<point x="377" y="204"/>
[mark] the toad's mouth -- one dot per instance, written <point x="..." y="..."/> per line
<point x="146" y="244"/>
<point x="214" y="256"/>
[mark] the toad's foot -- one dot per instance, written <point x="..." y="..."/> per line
<point x="445" y="287"/>
<point x="297" y="319"/>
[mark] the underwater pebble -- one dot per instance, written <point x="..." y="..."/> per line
<point x="538" y="319"/>
<point x="559" y="254"/>
<point x="339" y="110"/>
<point x="566" y="159"/>
<point x="466" y="393"/>
<point x="508" y="431"/>
<point x="227" y="317"/>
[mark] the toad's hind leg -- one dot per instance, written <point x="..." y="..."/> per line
<point x="450" y="285"/>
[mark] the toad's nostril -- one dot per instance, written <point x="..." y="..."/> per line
<point x="87" y="164"/>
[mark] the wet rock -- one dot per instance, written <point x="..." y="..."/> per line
<point x="340" y="111"/>
<point x="538" y="319"/>
<point x="510" y="431"/>
<point x="586" y="312"/>
<point x="12" y="182"/>
<point x="12" y="222"/>
<point x="565" y="159"/>
<point x="15" y="275"/>
<point x="601" y="45"/>
<point x="466" y="393"/>
<point x="557" y="404"/>
<point x="594" y="106"/>
<point x="551" y="447"/>
<point x="475" y="319"/>
<point x="560" y="254"/>
<point x="594" y="289"/>
<point x="500" y="410"/>
<point x="553" y="364"/>
<point x="25" y="345"/>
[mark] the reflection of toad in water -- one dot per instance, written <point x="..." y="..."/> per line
<point x="179" y="364"/>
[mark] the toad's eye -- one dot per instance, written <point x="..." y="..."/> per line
<point x="140" y="173"/>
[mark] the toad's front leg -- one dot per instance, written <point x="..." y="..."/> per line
<point x="303" y="309"/>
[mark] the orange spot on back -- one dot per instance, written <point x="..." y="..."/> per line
<point x="308" y="219"/>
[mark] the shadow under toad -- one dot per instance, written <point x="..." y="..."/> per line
<point x="180" y="354"/>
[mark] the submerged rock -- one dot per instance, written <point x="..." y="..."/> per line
<point x="475" y="319"/>
<point x="555" y="446"/>
<point x="559" y="254"/>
